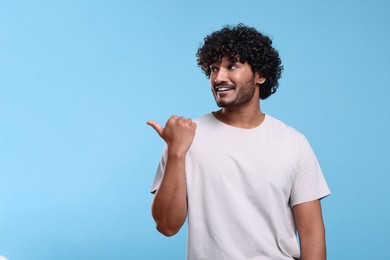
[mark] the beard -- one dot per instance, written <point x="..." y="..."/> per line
<point x="244" y="95"/>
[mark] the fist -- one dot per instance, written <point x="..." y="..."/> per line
<point x="178" y="133"/>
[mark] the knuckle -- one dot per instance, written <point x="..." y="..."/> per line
<point x="172" y="119"/>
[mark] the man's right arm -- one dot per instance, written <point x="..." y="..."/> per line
<point x="169" y="206"/>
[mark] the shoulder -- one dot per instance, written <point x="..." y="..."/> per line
<point x="278" y="125"/>
<point x="284" y="132"/>
<point x="288" y="137"/>
<point x="205" y="120"/>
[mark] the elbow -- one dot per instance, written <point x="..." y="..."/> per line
<point x="168" y="225"/>
<point x="168" y="222"/>
<point x="166" y="230"/>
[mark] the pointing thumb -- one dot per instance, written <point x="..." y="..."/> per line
<point x="156" y="126"/>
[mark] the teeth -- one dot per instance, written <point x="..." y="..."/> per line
<point x="223" y="89"/>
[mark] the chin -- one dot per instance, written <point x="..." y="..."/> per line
<point x="223" y="105"/>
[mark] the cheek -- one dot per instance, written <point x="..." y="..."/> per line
<point x="212" y="83"/>
<point x="212" y="79"/>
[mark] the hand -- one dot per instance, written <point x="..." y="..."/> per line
<point x="178" y="133"/>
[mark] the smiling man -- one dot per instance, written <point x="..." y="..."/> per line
<point x="247" y="182"/>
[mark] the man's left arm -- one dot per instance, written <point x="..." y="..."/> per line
<point x="311" y="230"/>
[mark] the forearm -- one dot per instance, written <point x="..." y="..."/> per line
<point x="313" y="245"/>
<point x="311" y="230"/>
<point x="169" y="206"/>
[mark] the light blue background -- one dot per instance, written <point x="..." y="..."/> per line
<point x="79" y="79"/>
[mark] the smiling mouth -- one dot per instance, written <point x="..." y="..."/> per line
<point x="223" y="88"/>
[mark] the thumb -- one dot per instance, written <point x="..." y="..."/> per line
<point x="156" y="126"/>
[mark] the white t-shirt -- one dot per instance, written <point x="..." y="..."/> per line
<point x="241" y="187"/>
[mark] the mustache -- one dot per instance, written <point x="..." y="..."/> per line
<point x="224" y="84"/>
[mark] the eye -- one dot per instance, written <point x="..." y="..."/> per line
<point x="233" y="66"/>
<point x="213" y="69"/>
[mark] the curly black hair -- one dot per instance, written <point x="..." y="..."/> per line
<point x="243" y="44"/>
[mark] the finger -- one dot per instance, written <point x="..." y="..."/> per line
<point x="173" y="118"/>
<point x="156" y="126"/>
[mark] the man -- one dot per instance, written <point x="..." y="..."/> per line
<point x="246" y="180"/>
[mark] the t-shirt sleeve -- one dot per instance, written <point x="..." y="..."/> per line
<point x="160" y="172"/>
<point x="310" y="183"/>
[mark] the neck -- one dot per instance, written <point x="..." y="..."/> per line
<point x="242" y="117"/>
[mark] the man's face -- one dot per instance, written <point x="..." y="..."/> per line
<point x="233" y="83"/>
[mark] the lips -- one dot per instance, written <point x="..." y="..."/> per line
<point x="223" y="88"/>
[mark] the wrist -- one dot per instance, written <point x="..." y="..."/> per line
<point x="176" y="153"/>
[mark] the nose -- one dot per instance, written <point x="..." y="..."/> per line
<point x="220" y="76"/>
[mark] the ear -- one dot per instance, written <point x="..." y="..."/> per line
<point x="260" y="79"/>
